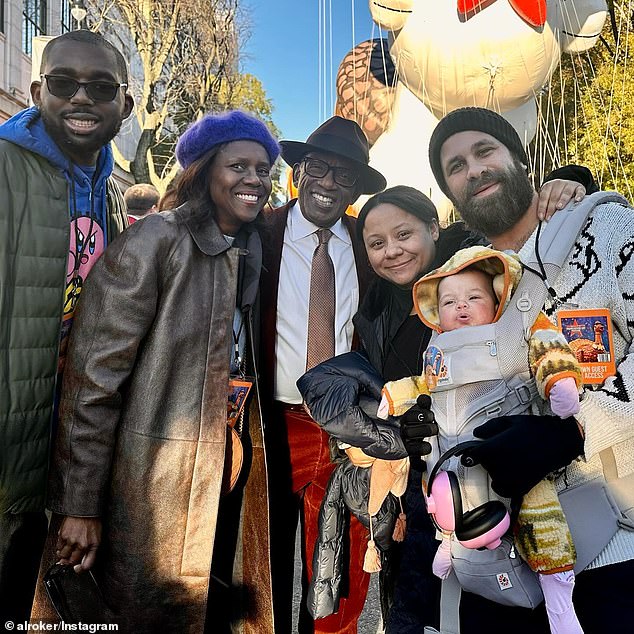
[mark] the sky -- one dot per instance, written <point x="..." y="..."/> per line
<point x="284" y="52"/>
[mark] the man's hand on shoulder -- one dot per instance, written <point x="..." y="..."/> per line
<point x="77" y="542"/>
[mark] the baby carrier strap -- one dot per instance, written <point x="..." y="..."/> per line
<point x="556" y="239"/>
<point x="560" y="233"/>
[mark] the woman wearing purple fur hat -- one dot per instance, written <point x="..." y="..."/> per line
<point x="146" y="466"/>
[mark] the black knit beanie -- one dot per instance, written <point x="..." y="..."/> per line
<point x="465" y="119"/>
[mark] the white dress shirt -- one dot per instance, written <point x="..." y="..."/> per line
<point x="300" y="242"/>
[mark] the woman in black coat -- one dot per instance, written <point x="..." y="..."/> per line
<point x="403" y="240"/>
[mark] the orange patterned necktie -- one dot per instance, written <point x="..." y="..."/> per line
<point x="321" y="305"/>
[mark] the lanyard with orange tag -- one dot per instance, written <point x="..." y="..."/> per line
<point x="587" y="331"/>
<point x="589" y="335"/>
<point x="237" y="395"/>
<point x="239" y="388"/>
<point x="239" y="383"/>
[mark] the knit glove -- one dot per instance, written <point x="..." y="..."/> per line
<point x="518" y="451"/>
<point x="564" y="397"/>
<point x="441" y="566"/>
<point x="399" y="396"/>
<point x="418" y="423"/>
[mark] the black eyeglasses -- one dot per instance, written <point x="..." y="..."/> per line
<point x="343" y="176"/>
<point x="66" y="87"/>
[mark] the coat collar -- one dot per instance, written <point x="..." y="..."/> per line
<point x="203" y="229"/>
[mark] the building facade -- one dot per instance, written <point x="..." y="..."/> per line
<point x="20" y="22"/>
<point x="25" y="26"/>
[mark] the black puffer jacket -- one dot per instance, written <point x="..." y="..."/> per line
<point x="342" y="395"/>
<point x="348" y="487"/>
<point x="335" y="391"/>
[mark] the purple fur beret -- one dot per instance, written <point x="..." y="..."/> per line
<point x="214" y="129"/>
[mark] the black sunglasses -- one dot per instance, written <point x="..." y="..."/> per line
<point x="343" y="176"/>
<point x="65" y="87"/>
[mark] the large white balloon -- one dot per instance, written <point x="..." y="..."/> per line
<point x="491" y="58"/>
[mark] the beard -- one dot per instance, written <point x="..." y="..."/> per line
<point x="76" y="145"/>
<point x="500" y="211"/>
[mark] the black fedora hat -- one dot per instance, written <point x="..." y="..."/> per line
<point x="342" y="137"/>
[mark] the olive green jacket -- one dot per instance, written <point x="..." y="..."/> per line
<point x="34" y="245"/>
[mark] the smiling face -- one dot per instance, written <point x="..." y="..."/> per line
<point x="488" y="186"/>
<point x="466" y="299"/>
<point x="239" y="184"/>
<point x="400" y="246"/>
<point x="323" y="201"/>
<point x="465" y="156"/>
<point x="80" y="126"/>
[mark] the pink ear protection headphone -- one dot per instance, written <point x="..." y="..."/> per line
<point x="481" y="527"/>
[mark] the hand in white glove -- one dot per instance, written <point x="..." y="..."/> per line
<point x="564" y="398"/>
<point x="441" y="566"/>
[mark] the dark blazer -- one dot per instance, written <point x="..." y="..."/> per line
<point x="272" y="243"/>
<point x="283" y="504"/>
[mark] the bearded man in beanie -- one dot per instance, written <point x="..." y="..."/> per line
<point x="480" y="163"/>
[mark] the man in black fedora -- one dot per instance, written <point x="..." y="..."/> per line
<point x="314" y="273"/>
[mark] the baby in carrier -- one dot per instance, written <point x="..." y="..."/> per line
<point x="474" y="289"/>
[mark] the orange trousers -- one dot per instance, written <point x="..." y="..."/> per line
<point x="310" y="470"/>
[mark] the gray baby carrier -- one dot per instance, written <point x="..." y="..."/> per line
<point x="486" y="375"/>
<point x="483" y="371"/>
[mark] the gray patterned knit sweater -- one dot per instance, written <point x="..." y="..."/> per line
<point x="599" y="273"/>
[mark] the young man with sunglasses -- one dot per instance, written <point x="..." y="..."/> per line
<point x="60" y="207"/>
<point x="330" y="172"/>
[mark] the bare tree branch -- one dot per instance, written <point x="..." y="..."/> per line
<point x="184" y="62"/>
